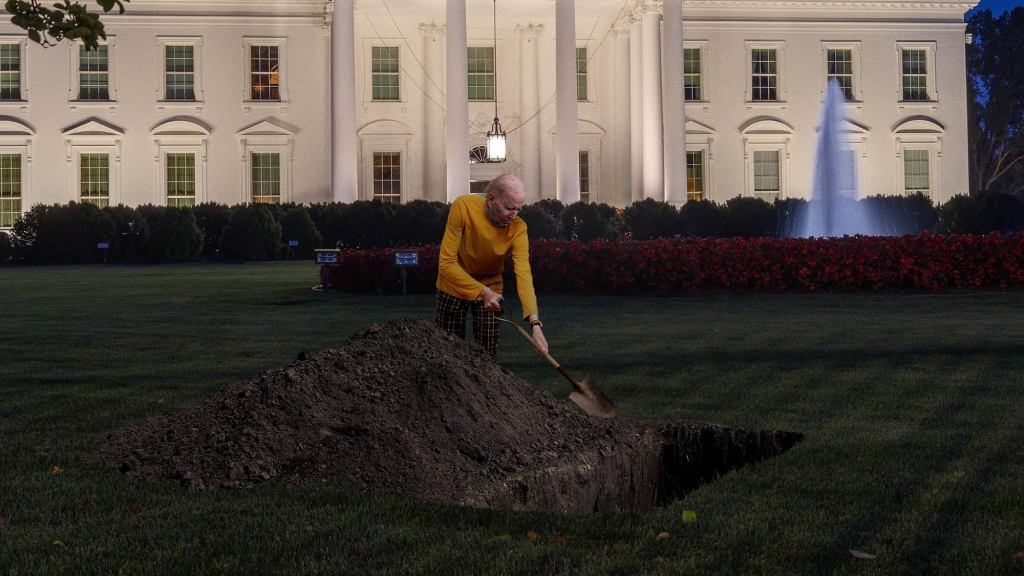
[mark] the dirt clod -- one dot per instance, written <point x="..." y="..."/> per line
<point x="408" y="409"/>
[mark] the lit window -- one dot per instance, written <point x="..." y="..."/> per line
<point x="93" y="73"/>
<point x="915" y="74"/>
<point x="94" y="179"/>
<point x="10" y="189"/>
<point x="584" y="176"/>
<point x="10" y="71"/>
<point x="181" y="179"/>
<point x="581" y="74"/>
<point x="266" y="178"/>
<point x="385" y="73"/>
<point x="387" y="177"/>
<point x="179" y="72"/>
<point x="840" y="68"/>
<point x="915" y="172"/>
<point x="264" y="73"/>
<point x="481" y="73"/>
<point x="695" y="175"/>
<point x="692" y="75"/>
<point x="764" y="79"/>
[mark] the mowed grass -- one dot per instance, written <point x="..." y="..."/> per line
<point x="911" y="405"/>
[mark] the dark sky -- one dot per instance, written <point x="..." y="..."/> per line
<point x="999" y="6"/>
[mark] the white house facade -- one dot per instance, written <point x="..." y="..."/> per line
<point x="611" y="101"/>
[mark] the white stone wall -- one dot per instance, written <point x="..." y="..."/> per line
<point x="415" y="125"/>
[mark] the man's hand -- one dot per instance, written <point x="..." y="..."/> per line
<point x="538" y="337"/>
<point x="492" y="300"/>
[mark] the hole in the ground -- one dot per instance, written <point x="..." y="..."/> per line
<point x="649" y="467"/>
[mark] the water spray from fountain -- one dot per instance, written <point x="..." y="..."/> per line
<point x="833" y="209"/>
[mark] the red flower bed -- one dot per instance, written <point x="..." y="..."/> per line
<point x="925" y="262"/>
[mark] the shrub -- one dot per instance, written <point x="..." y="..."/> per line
<point x="790" y="216"/>
<point x="251" y="234"/>
<point x="297" y="225"/>
<point x="131" y="232"/>
<point x="330" y="221"/>
<point x="1007" y="211"/>
<point x="649" y="219"/>
<point x="176" y="235"/>
<point x="5" y="247"/>
<point x="749" y="217"/>
<point x="211" y="219"/>
<point x="62" y="233"/>
<point x="583" y="222"/>
<point x="551" y="206"/>
<point x="964" y="214"/>
<point x="539" y="222"/>
<point x="367" y="224"/>
<point x="701" y="218"/>
<point x="420" y="223"/>
<point x="899" y="215"/>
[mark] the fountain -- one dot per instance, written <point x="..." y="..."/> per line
<point x="833" y="209"/>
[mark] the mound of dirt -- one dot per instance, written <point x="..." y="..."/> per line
<point x="409" y="409"/>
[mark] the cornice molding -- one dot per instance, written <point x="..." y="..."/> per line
<point x="890" y="5"/>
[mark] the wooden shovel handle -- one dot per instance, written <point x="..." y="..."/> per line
<point x="552" y="361"/>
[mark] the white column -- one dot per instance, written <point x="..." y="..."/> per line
<point x="672" y="92"/>
<point x="636" y="109"/>
<point x="457" y="131"/>
<point x="654" y="168"/>
<point x="621" y="100"/>
<point x="529" y="101"/>
<point x="433" y="116"/>
<point x="565" y="93"/>
<point x="344" y="151"/>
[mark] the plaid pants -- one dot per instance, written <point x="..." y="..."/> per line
<point x="450" y="316"/>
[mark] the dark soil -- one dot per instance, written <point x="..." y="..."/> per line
<point x="408" y="409"/>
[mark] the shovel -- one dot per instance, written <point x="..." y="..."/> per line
<point x="584" y="394"/>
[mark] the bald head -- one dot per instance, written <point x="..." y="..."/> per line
<point x="506" y="184"/>
<point x="505" y="197"/>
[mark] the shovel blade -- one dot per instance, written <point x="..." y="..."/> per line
<point x="591" y="400"/>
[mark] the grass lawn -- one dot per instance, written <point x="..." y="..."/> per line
<point x="911" y="405"/>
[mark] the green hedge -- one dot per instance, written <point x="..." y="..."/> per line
<point x="70" y="232"/>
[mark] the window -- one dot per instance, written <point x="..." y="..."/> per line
<point x="94" y="179"/>
<point x="840" y="69"/>
<point x="267" y="153"/>
<point x="386" y="73"/>
<point x="266" y="177"/>
<point x="181" y="179"/>
<point x="93" y="73"/>
<point x="767" y="183"/>
<point x="915" y="172"/>
<point x="692" y="75"/>
<point x="481" y="73"/>
<point x="581" y="74"/>
<point x="10" y="71"/>
<point x="264" y="80"/>
<point x="10" y="189"/>
<point x="179" y="73"/>
<point x="766" y="145"/>
<point x="914" y="74"/>
<point x="918" y="148"/>
<point x="584" y="177"/>
<point x="764" y="78"/>
<point x="387" y="177"/>
<point x="695" y="175"/>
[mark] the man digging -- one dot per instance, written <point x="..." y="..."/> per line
<point x="479" y="233"/>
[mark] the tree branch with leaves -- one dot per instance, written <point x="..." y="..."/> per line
<point x="996" y="101"/>
<point x="67" y="20"/>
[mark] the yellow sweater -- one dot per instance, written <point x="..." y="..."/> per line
<point x="473" y="254"/>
